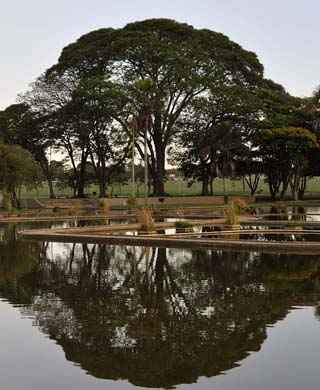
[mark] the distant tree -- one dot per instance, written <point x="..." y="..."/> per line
<point x="283" y="153"/>
<point x="52" y="99"/>
<point x="216" y="130"/>
<point x="20" y="126"/>
<point x="17" y="168"/>
<point x="250" y="167"/>
<point x="80" y="116"/>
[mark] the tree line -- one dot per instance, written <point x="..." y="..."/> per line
<point x="173" y="93"/>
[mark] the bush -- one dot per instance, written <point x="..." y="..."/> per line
<point x="240" y="204"/>
<point x="182" y="225"/>
<point x="131" y="202"/>
<point x="104" y="204"/>
<point x="232" y="213"/>
<point x="6" y="201"/>
<point x="145" y="218"/>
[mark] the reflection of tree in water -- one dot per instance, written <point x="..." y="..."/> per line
<point x="17" y="261"/>
<point x="161" y="317"/>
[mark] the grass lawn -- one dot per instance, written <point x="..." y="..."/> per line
<point x="177" y="188"/>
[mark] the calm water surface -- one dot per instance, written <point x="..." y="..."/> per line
<point x="75" y="316"/>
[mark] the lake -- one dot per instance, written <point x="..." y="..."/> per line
<point x="78" y="316"/>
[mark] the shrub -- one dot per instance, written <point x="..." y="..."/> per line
<point x="75" y="209"/>
<point x="240" y="204"/>
<point x="232" y="213"/>
<point x="182" y="225"/>
<point x="180" y="212"/>
<point x="145" y="218"/>
<point x="104" y="204"/>
<point x="6" y="201"/>
<point x="131" y="202"/>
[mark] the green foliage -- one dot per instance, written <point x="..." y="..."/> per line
<point x="156" y="67"/>
<point x="216" y="130"/>
<point x="17" y="168"/>
<point x="288" y="140"/>
<point x="284" y="152"/>
<point x="20" y="125"/>
<point x="182" y="225"/>
<point x="6" y="201"/>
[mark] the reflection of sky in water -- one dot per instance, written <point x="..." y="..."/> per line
<point x="288" y="360"/>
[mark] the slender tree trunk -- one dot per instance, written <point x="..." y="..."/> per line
<point x="102" y="189"/>
<point x="285" y="185"/>
<point x="272" y="191"/>
<point x="47" y="172"/>
<point x="302" y="187"/>
<point x="205" y="187"/>
<point x="159" y="174"/>
<point x="81" y="185"/>
<point x="51" y="189"/>
<point x="81" y="177"/>
<point x="14" y="199"/>
<point x="211" y="187"/>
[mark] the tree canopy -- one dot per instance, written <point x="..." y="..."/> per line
<point x="17" y="168"/>
<point x="180" y="64"/>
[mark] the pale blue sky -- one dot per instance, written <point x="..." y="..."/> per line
<point x="284" y="33"/>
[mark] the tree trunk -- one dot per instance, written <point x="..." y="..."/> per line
<point x="205" y="187"/>
<point x="15" y="200"/>
<point x="81" y="185"/>
<point x="302" y="187"/>
<point x="51" y="189"/>
<point x="272" y="191"/>
<point x="102" y="189"/>
<point x="159" y="173"/>
<point x="211" y="187"/>
<point x="283" y="193"/>
<point x="48" y="174"/>
<point x="81" y="179"/>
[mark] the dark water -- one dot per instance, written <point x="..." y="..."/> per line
<point x="75" y="316"/>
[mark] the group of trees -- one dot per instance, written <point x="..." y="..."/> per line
<point x="172" y="92"/>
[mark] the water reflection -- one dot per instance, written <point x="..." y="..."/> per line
<point x="154" y="317"/>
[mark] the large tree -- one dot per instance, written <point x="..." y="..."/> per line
<point x="180" y="63"/>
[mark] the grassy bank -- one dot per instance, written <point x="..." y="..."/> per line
<point x="173" y="188"/>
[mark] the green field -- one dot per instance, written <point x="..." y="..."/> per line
<point x="177" y="188"/>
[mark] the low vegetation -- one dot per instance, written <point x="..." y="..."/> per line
<point x="183" y="225"/>
<point x="145" y="218"/>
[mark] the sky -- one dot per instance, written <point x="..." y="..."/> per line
<point x="284" y="33"/>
